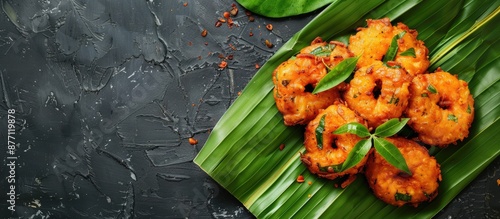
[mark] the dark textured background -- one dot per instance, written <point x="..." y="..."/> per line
<point x="107" y="94"/>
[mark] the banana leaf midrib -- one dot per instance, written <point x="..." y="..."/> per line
<point x="446" y="49"/>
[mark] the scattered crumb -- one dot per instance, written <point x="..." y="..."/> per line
<point x="310" y="183"/>
<point x="257" y="66"/>
<point x="249" y="15"/>
<point x="498" y="182"/>
<point x="234" y="11"/>
<point x="309" y="196"/>
<point x="204" y="33"/>
<point x="269" y="27"/>
<point x="282" y="146"/>
<point x="222" y="65"/>
<point x="193" y="141"/>
<point x="300" y="179"/>
<point x="269" y="44"/>
<point x="230" y="22"/>
<point x="185" y="4"/>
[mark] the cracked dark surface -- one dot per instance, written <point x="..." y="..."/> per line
<point x="107" y="94"/>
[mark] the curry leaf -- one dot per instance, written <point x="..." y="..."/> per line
<point x="402" y="197"/>
<point x="353" y="128"/>
<point x="409" y="52"/>
<point x="337" y="75"/>
<point x="452" y="117"/>
<point x="319" y="132"/>
<point x="393" y="49"/>
<point x="391" y="127"/>
<point x="323" y="50"/>
<point x="391" y="154"/>
<point x="432" y="89"/>
<point x="357" y="154"/>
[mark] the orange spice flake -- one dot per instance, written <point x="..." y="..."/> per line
<point x="269" y="27"/>
<point x="222" y="64"/>
<point x="230" y="22"/>
<point x="204" y="33"/>
<point x="268" y="44"/>
<point x="232" y="46"/>
<point x="192" y="141"/>
<point x="300" y="179"/>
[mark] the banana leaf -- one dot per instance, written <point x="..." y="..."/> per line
<point x="243" y="151"/>
<point x="282" y="8"/>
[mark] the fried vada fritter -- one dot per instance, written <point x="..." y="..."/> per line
<point x="396" y="187"/>
<point x="378" y="93"/>
<point x="295" y="79"/>
<point x="441" y="108"/>
<point x="373" y="41"/>
<point x="418" y="62"/>
<point x="334" y="148"/>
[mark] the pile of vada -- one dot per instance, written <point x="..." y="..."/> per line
<point x="439" y="106"/>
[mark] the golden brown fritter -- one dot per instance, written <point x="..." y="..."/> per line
<point x="295" y="79"/>
<point x="334" y="148"/>
<point x="378" y="93"/>
<point x="398" y="188"/>
<point x="441" y="109"/>
<point x="373" y="41"/>
<point x="418" y="63"/>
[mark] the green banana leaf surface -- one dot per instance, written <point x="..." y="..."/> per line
<point x="282" y="8"/>
<point x="243" y="151"/>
